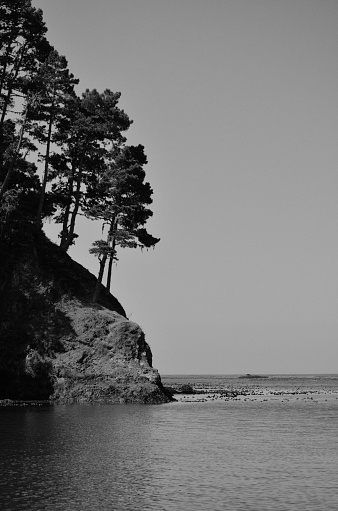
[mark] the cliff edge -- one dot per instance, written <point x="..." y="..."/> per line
<point x="55" y="344"/>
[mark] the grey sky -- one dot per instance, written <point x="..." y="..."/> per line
<point x="236" y="105"/>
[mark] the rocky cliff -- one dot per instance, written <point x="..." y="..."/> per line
<point x="56" y="344"/>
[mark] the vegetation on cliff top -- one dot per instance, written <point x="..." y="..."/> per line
<point x="84" y="165"/>
<point x="63" y="336"/>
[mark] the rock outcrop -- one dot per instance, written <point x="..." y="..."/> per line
<point x="56" y="344"/>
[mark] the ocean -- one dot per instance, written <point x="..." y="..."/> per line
<point x="265" y="444"/>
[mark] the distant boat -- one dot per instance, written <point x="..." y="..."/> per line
<point x="253" y="376"/>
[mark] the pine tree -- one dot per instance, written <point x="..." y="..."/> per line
<point x="56" y="85"/>
<point x="90" y="168"/>
<point x="120" y="199"/>
<point x="23" y="47"/>
<point x="91" y="130"/>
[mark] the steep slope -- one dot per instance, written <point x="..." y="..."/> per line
<point x="56" y="344"/>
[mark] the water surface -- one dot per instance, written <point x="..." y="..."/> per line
<point x="274" y="455"/>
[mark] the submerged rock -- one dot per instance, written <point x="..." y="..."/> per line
<point x="56" y="344"/>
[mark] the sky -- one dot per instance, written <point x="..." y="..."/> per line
<point x="236" y="104"/>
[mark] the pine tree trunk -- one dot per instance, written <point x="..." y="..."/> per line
<point x="4" y="110"/>
<point x="64" y="232"/>
<point x="15" y="155"/>
<point x="111" y="239"/>
<point x="4" y="68"/>
<point x="99" y="279"/>
<point x="70" y="231"/>
<point x="110" y="266"/>
<point x="109" y="274"/>
<point x="10" y="89"/>
<point x="45" y="175"/>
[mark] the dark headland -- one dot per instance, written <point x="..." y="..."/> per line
<point x="56" y="344"/>
<point x="63" y="337"/>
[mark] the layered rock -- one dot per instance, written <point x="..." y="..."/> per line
<point x="56" y="344"/>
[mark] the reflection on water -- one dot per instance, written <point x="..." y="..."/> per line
<point x="235" y="455"/>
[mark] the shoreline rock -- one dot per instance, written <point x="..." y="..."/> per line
<point x="56" y="345"/>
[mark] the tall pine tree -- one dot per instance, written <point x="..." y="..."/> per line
<point x="23" y="46"/>
<point x="120" y="199"/>
<point x="56" y="86"/>
<point x="88" y="134"/>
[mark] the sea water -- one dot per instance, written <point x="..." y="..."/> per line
<point x="272" y="448"/>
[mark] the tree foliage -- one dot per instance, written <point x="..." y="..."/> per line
<point x="119" y="197"/>
<point x="85" y="166"/>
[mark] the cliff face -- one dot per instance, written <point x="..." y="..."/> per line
<point x="56" y="344"/>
